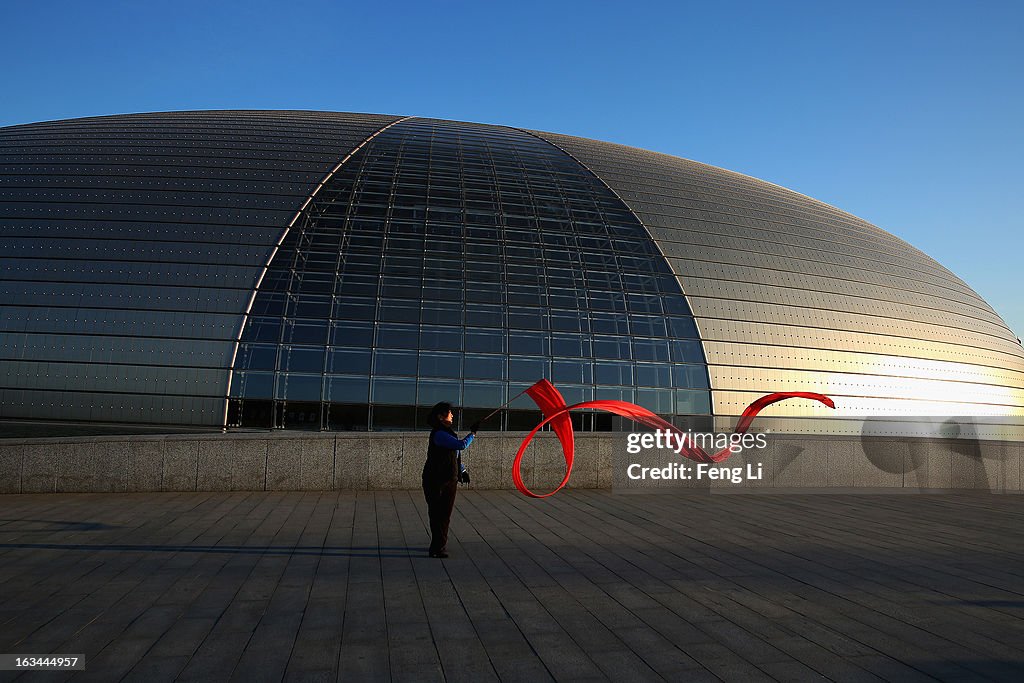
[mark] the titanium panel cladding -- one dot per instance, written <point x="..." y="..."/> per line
<point x="131" y="245"/>
<point x="792" y="294"/>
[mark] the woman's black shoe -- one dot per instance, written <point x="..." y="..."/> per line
<point x="442" y="554"/>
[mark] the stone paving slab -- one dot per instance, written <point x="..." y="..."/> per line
<point x="585" y="585"/>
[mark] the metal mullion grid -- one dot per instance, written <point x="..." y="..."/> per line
<point x="502" y="228"/>
<point x="397" y="147"/>
<point x="592" y="360"/>
<point x="325" y="209"/>
<point x="401" y="152"/>
<point x="302" y="240"/>
<point x="541" y="176"/>
<point x="599" y="208"/>
<point x="526" y="175"/>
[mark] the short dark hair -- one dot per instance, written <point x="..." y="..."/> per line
<point x="437" y="412"/>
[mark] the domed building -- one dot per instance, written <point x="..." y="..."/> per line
<point x="329" y="271"/>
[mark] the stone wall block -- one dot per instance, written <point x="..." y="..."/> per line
<point x="145" y="465"/>
<point x="385" y="462"/>
<point x="929" y="465"/>
<point x="284" y="464"/>
<point x="11" y="457"/>
<point x="215" y="466"/>
<point x="880" y="463"/>
<point x="586" y="462"/>
<point x="351" y="462"/>
<point x="39" y="467"/>
<point x="317" y="464"/>
<point x="483" y="459"/>
<point x="84" y="467"/>
<point x="800" y="462"/>
<point x="181" y="465"/>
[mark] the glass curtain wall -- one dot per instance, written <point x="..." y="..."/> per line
<point x="463" y="262"/>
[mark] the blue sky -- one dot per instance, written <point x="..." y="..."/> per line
<point x="908" y="114"/>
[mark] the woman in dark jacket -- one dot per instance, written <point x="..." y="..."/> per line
<point x="442" y="472"/>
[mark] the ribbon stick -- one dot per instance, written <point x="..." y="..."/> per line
<point x="556" y="413"/>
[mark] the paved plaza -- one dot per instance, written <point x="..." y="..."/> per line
<point x="586" y="585"/>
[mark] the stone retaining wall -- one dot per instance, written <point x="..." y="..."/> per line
<point x="324" y="461"/>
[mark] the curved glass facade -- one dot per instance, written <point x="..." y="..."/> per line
<point x="462" y="262"/>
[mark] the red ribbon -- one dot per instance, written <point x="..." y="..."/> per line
<point x="556" y="413"/>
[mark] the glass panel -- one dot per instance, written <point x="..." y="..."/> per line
<point x="610" y="393"/>
<point x="342" y="361"/>
<point x="359" y="335"/>
<point x="566" y="345"/>
<point x="256" y="384"/>
<point x="526" y="369"/>
<point x="300" y="359"/>
<point x="575" y="372"/>
<point x="264" y="330"/>
<point x="649" y="325"/>
<point x="610" y="372"/>
<point x="441" y="312"/>
<point x="434" y="338"/>
<point x="687" y="351"/>
<point x="300" y="387"/>
<point x="643" y="303"/>
<point x="485" y="340"/>
<point x="258" y="357"/>
<point x="395" y="363"/>
<point x="690" y="376"/>
<point x="484" y="367"/>
<point x="612" y="347"/>
<point x="435" y="364"/>
<point x="575" y="393"/>
<point x="302" y="415"/>
<point x="608" y="323"/>
<point x="656" y="400"/>
<point x="399" y="311"/>
<point x="341" y="417"/>
<point x="386" y="418"/>
<point x="397" y="336"/>
<point x="682" y="327"/>
<point x="348" y="389"/>
<point x="434" y="391"/>
<point x="486" y="315"/>
<point x="483" y="394"/>
<point x="651" y="375"/>
<point x="692" y="402"/>
<point x="305" y="331"/>
<point x="529" y="344"/>
<point x="312" y="307"/>
<point x="650" y="349"/>
<point x="394" y="391"/>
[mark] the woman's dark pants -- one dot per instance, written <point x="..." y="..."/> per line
<point x="440" y="502"/>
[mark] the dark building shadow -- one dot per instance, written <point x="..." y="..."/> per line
<point x="46" y="526"/>
<point x="1017" y="604"/>
<point x="959" y="435"/>
<point x="972" y="669"/>
<point x="967" y="445"/>
<point x="785" y="457"/>
<point x="318" y="551"/>
<point x="880" y="453"/>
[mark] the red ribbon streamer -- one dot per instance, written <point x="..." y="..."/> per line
<point x="556" y="413"/>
